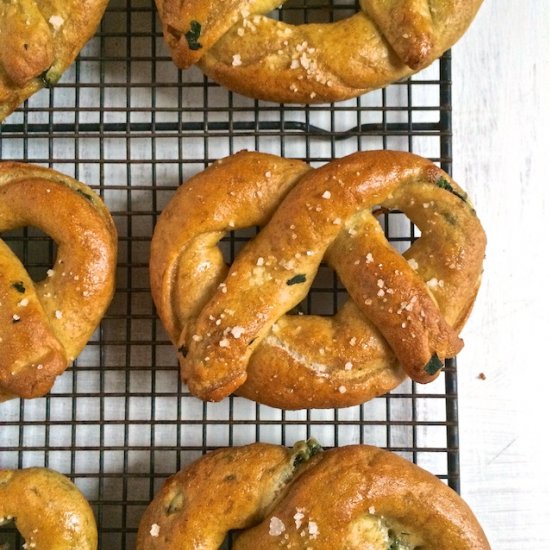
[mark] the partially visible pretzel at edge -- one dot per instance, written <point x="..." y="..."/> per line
<point x="230" y="324"/>
<point x="236" y="45"/>
<point x="45" y="325"/>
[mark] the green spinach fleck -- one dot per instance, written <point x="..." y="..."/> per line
<point x="304" y="450"/>
<point x="192" y="36"/>
<point x="450" y="218"/>
<point x="444" y="184"/>
<point x="183" y="350"/>
<point x="296" y="280"/>
<point x="49" y="78"/>
<point x="434" y="364"/>
<point x="84" y="194"/>
<point x="19" y="286"/>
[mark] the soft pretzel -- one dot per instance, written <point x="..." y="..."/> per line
<point x="354" y="497"/>
<point x="236" y="45"/>
<point x="230" y="325"/>
<point x="45" y="325"/>
<point x="39" y="39"/>
<point x="48" y="510"/>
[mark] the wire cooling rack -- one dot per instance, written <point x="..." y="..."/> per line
<point x="126" y="122"/>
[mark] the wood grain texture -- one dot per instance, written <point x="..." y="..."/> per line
<point x="501" y="138"/>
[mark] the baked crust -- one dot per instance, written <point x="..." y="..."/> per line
<point x="353" y="497"/>
<point x="39" y="39"/>
<point x="236" y="45"/>
<point x="48" y="509"/>
<point x="45" y="325"/>
<point x="230" y="324"/>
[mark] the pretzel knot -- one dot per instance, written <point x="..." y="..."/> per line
<point x="235" y="44"/>
<point x="45" y="325"/>
<point x="350" y="497"/>
<point x="230" y="324"/>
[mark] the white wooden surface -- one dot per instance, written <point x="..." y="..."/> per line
<point x="501" y="148"/>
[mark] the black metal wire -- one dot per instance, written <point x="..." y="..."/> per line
<point x="126" y="122"/>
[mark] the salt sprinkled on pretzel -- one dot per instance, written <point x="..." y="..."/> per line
<point x="231" y="325"/>
<point x="352" y="497"/>
<point x="45" y="325"/>
<point x="238" y="46"/>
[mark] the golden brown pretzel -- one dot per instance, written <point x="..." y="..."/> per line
<point x="230" y="325"/>
<point x="39" y="39"/>
<point x="354" y="497"/>
<point x="237" y="46"/>
<point x="45" y="325"/>
<point x="48" y="510"/>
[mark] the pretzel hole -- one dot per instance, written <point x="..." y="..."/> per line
<point x="9" y="535"/>
<point x="327" y="294"/>
<point x="298" y="12"/>
<point x="400" y="231"/>
<point x="35" y="249"/>
<point x="235" y="241"/>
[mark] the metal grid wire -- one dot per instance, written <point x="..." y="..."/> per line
<point x="126" y="122"/>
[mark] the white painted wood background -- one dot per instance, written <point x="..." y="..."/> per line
<point x="501" y="148"/>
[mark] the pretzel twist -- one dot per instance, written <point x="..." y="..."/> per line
<point x="45" y="325"/>
<point x="39" y="39"/>
<point x="48" y="510"/>
<point x="353" y="497"/>
<point x="230" y="324"/>
<point x="235" y="44"/>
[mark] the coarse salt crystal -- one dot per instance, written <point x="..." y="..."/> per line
<point x="348" y="365"/>
<point x="155" y="530"/>
<point x="342" y="389"/>
<point x="56" y="21"/>
<point x="413" y="263"/>
<point x="298" y="517"/>
<point x="276" y="527"/>
<point x="58" y="314"/>
<point x="433" y="283"/>
<point x="237" y="332"/>
<point x="236" y="60"/>
<point x="326" y="195"/>
<point x="312" y="527"/>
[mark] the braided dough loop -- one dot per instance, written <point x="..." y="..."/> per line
<point x="48" y="509"/>
<point x="230" y="324"/>
<point x="280" y="499"/>
<point x="45" y="325"/>
<point x="237" y="46"/>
